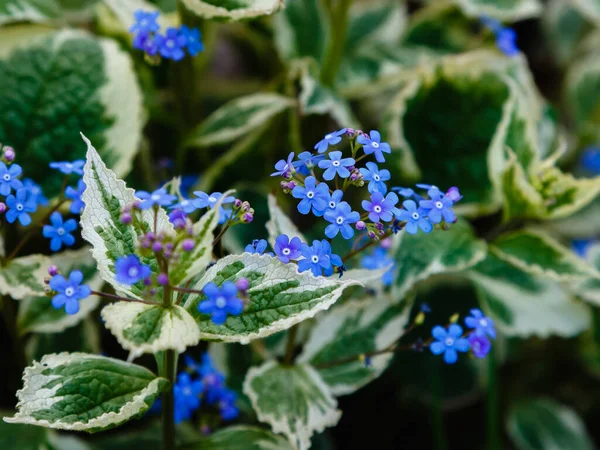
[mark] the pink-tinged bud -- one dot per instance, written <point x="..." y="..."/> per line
<point x="283" y="185"/>
<point x="157" y="247"/>
<point x="53" y="270"/>
<point x="386" y="243"/>
<point x="379" y="226"/>
<point x="150" y="236"/>
<point x="152" y="291"/>
<point x="145" y="243"/>
<point x="175" y="256"/>
<point x="160" y="237"/>
<point x="136" y="204"/>
<point x="353" y="177"/>
<point x="291" y="185"/>
<point x="162" y="279"/>
<point x="242" y="284"/>
<point x="169" y="246"/>
<point x="350" y="132"/>
<point x="372" y="234"/>
<point x="454" y="194"/>
<point x="9" y="154"/>
<point x="168" y="254"/>
<point x="360" y="225"/>
<point x="147" y="282"/>
<point x="188" y="245"/>
<point x="287" y="175"/>
<point x="351" y="168"/>
<point x="245" y="206"/>
<point x="47" y="290"/>
<point x="3" y="208"/>
<point x="126" y="218"/>
<point x="247" y="218"/>
<point x="237" y="203"/>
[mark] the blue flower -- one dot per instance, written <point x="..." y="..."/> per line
<point x="9" y="178"/>
<point x="481" y="324"/>
<point x="590" y="160"/>
<point x="374" y="145"/>
<point x="171" y="45"/>
<point x="69" y="292"/>
<point x="129" y="270"/>
<point x="380" y="208"/>
<point x="332" y="201"/>
<point x="74" y="195"/>
<point x="404" y="192"/>
<point x="375" y="177"/>
<point x="159" y="197"/>
<point x="212" y="379"/>
<point x="283" y="167"/>
<point x="336" y="166"/>
<point x="318" y="258"/>
<point x="221" y="302"/>
<point x="287" y="249"/>
<point x="209" y="201"/>
<point x="378" y="260"/>
<point x="20" y="205"/>
<point x="313" y="196"/>
<point x="226" y="404"/>
<point x="186" y="205"/>
<point x="440" y="206"/>
<point x="506" y="41"/>
<point x="414" y="218"/>
<point x="145" y="42"/>
<point x="341" y="218"/>
<point x="448" y="342"/>
<point x="582" y="246"/>
<point x="68" y="168"/>
<point x="36" y="192"/>
<point x="454" y="194"/>
<point x="307" y="162"/>
<point x="193" y="39"/>
<point x="329" y="139"/>
<point x="145" y="22"/>
<point x="187" y="396"/>
<point x="178" y="218"/>
<point x="480" y="345"/>
<point x="59" y="233"/>
<point x="257" y="246"/>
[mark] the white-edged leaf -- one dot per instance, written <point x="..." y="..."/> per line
<point x="142" y="328"/>
<point x="368" y="277"/>
<point x="294" y="400"/>
<point x="43" y="10"/>
<point x="237" y="118"/>
<point x="24" y="276"/>
<point x="589" y="8"/>
<point x="240" y="437"/>
<point x="230" y="10"/>
<point x="349" y="330"/>
<point x="279" y="297"/>
<point x="589" y="289"/>
<point x="280" y="223"/>
<point x="104" y="197"/>
<point x="83" y="392"/>
<point x="505" y="10"/>
<point x="124" y="11"/>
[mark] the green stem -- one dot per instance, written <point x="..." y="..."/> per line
<point x="493" y="432"/>
<point x="291" y="344"/>
<point x="333" y="57"/>
<point x="439" y="433"/>
<point x="294" y="119"/>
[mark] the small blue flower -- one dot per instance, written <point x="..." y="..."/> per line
<point x="374" y="145"/>
<point x="68" y="168"/>
<point x="481" y="324"/>
<point x="257" y="246"/>
<point x="425" y="307"/>
<point x="36" y="192"/>
<point x="145" y="42"/>
<point x="480" y="345"/>
<point x="287" y="249"/>
<point x="449" y="342"/>
<point x="59" y="233"/>
<point x="313" y="196"/>
<point x="9" y="178"/>
<point x="318" y="258"/>
<point x="307" y="162"/>
<point x="336" y="165"/>
<point x="178" y="218"/>
<point x="332" y="201"/>
<point x="582" y="246"/>
<point x="145" y="22"/>
<point x="283" y="167"/>
<point x="440" y="206"/>
<point x="187" y="393"/>
<point x="221" y="302"/>
<point x="226" y="404"/>
<point x="20" y="205"/>
<point x="590" y="160"/>
<point x="212" y="379"/>
<point x="209" y="201"/>
<point x="454" y="194"/>
<point x="69" y="292"/>
<point x="341" y="218"/>
<point x="186" y="205"/>
<point x="171" y="45"/>
<point x="193" y="39"/>
<point x="375" y="177"/>
<point x="129" y="270"/>
<point x="378" y="260"/>
<point x="404" y="192"/>
<point x="380" y="208"/>
<point x="414" y="218"/>
<point x="159" y="197"/>
<point x="329" y="139"/>
<point x="74" y="195"/>
<point x="505" y="37"/>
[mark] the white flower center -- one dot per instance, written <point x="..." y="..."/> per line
<point x="212" y="200"/>
<point x="376" y="177"/>
<point x="155" y="197"/>
<point x="69" y="167"/>
<point x="170" y="44"/>
<point x="184" y="202"/>
<point x="187" y="391"/>
<point x="483" y="323"/>
<point x="60" y="231"/>
<point x="339" y="220"/>
<point x="19" y="207"/>
<point x="415" y="216"/>
<point x="377" y="209"/>
<point x="6" y="177"/>
<point x="328" y="136"/>
<point x="286" y="251"/>
<point x="133" y="272"/>
<point x="314" y="259"/>
<point x="336" y="164"/>
<point x="310" y="194"/>
<point x="69" y="291"/>
<point x="375" y="144"/>
<point x="221" y="302"/>
<point x="332" y="204"/>
<point x="449" y="342"/>
<point x="439" y="205"/>
<point x="143" y="22"/>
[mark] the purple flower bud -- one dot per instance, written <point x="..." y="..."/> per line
<point x="247" y="218"/>
<point x="379" y="226"/>
<point x="386" y="243"/>
<point x="350" y="132"/>
<point x="136" y="204"/>
<point x="350" y="168"/>
<point x="237" y="203"/>
<point x="3" y="208"/>
<point x="169" y="246"/>
<point x="372" y="234"/>
<point x="360" y="225"/>
<point x="242" y="284"/>
<point x="188" y="245"/>
<point x="353" y="177"/>
<point x="157" y="247"/>
<point x="283" y="185"/>
<point x="147" y="282"/>
<point x="245" y="206"/>
<point x="150" y="236"/>
<point x="167" y="254"/>
<point x="291" y="185"/>
<point x="9" y="154"/>
<point x="53" y="270"/>
<point x="152" y="291"/>
<point x="287" y="175"/>
<point x="454" y="194"/>
<point x="126" y="218"/>
<point x="175" y="255"/>
<point x="162" y="279"/>
<point x="145" y="243"/>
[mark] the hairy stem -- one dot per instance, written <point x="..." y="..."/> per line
<point x="333" y="57"/>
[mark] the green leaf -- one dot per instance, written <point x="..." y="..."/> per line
<point x="24" y="276"/>
<point x="82" y="392"/>
<point x="36" y="313"/>
<point x="563" y="27"/>
<point x="279" y="297"/>
<point x="280" y="223"/>
<point x="347" y="331"/>
<point x="589" y="289"/>
<point x="240" y="437"/>
<point x="421" y="255"/>
<point x="124" y="11"/>
<point x="374" y="23"/>
<point x="232" y="10"/>
<point x="294" y="400"/>
<point x="76" y="82"/>
<point x="543" y="423"/>
<point x="104" y="197"/>
<point x="142" y="328"/>
<point x="539" y="254"/>
<point x="505" y="10"/>
<point x="589" y="8"/>
<point x="523" y="304"/>
<point x="41" y="10"/>
<point x="22" y="437"/>
<point x="237" y="118"/>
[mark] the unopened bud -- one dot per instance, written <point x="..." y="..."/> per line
<point x="372" y="234"/>
<point x="386" y="243"/>
<point x="245" y="206"/>
<point x="162" y="279"/>
<point x="126" y="218"/>
<point x="242" y="284"/>
<point x="237" y="203"/>
<point x="420" y="318"/>
<point x="188" y="245"/>
<point x="454" y="318"/>
<point x="247" y="218"/>
<point x="53" y="270"/>
<point x="360" y="225"/>
<point x="9" y="154"/>
<point x="291" y="185"/>
<point x="157" y="247"/>
<point x="3" y="208"/>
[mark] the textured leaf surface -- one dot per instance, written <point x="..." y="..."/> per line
<point x="142" y="328"/>
<point x="22" y="437"/>
<point x="349" y="330"/>
<point x="422" y="255"/>
<point x="294" y="400"/>
<point x="539" y="254"/>
<point x="104" y="198"/>
<point x="233" y="9"/>
<point x="589" y="289"/>
<point x="505" y="10"/>
<point x="280" y="223"/>
<point x="543" y="423"/>
<point x="60" y="84"/>
<point x="241" y="438"/>
<point x="237" y="118"/>
<point x="36" y="313"/>
<point x="40" y="10"/>
<point x="523" y="304"/>
<point x="82" y="392"/>
<point x="24" y="276"/>
<point x="279" y="297"/>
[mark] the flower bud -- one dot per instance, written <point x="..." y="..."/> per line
<point x="162" y="279"/>
<point x="245" y="206"/>
<point x="53" y="270"/>
<point x="237" y="203"/>
<point x="291" y="185"/>
<point x="372" y="234"/>
<point x="242" y="284"/>
<point x="350" y="132"/>
<point x="169" y="246"/>
<point x="3" y="208"/>
<point x="46" y="280"/>
<point x="386" y="243"/>
<point x="147" y="282"/>
<point x="188" y="245"/>
<point x="360" y="225"/>
<point x="9" y="154"/>
<point x="247" y="218"/>
<point x="126" y="218"/>
<point x="157" y="247"/>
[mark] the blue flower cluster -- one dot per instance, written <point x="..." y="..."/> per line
<point x="506" y="38"/>
<point x="449" y="341"/>
<point x="67" y="292"/>
<point x="223" y="301"/>
<point x="170" y="45"/>
<point x="380" y="259"/>
<point x="590" y="160"/>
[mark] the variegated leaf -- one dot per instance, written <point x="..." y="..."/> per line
<point x="280" y="223"/>
<point x="24" y="276"/>
<point x="231" y="10"/>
